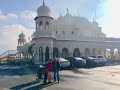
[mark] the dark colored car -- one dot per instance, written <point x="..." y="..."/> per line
<point x="76" y="62"/>
<point x="91" y="61"/>
<point x="101" y="59"/>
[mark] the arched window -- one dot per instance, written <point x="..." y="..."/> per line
<point x="40" y="24"/>
<point x="47" y="23"/>
<point x="87" y="52"/>
<point x="40" y="54"/>
<point x="63" y="32"/>
<point x="72" y="32"/>
<point x="65" y="53"/>
<point x="47" y="57"/>
<point x="55" y="52"/>
<point x="76" y="52"/>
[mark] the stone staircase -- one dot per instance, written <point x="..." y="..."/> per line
<point x="8" y="55"/>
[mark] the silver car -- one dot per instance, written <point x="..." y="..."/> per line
<point x="64" y="62"/>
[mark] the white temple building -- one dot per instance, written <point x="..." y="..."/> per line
<point x="66" y="36"/>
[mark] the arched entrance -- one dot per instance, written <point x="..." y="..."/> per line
<point x="56" y="52"/>
<point x="101" y="52"/>
<point x="87" y="52"/>
<point x="65" y="53"/>
<point x="76" y="53"/>
<point x="47" y="57"/>
<point x="95" y="52"/>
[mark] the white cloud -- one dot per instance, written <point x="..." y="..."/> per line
<point x="110" y="22"/>
<point x="11" y="15"/>
<point x="0" y="12"/>
<point x="11" y="25"/>
<point x="2" y="17"/>
<point x="10" y="34"/>
<point x="29" y="15"/>
<point x="8" y="16"/>
<point x="25" y="18"/>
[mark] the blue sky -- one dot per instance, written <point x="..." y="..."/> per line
<point x="18" y="15"/>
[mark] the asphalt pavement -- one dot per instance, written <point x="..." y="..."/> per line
<point x="99" y="78"/>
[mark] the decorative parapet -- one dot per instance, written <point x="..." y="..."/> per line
<point x="98" y="39"/>
<point x="60" y="36"/>
<point x="39" y="34"/>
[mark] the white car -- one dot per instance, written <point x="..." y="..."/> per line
<point x="64" y="63"/>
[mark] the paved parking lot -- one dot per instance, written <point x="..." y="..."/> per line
<point x="99" y="78"/>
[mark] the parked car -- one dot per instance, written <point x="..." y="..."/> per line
<point x="101" y="59"/>
<point x="76" y="62"/>
<point x="91" y="61"/>
<point x="64" y="62"/>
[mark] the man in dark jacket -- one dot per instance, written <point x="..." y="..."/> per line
<point x="45" y="73"/>
<point x="56" y="68"/>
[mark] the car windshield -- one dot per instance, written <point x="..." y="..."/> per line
<point x="61" y="59"/>
<point x="100" y="56"/>
<point x="78" y="58"/>
<point x="91" y="58"/>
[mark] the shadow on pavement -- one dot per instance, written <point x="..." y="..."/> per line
<point x="77" y="71"/>
<point x="33" y="86"/>
<point x="11" y="70"/>
<point x="40" y="86"/>
<point x="23" y="85"/>
<point x="69" y="76"/>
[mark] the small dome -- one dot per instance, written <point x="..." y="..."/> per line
<point x="22" y="36"/>
<point x="44" y="11"/>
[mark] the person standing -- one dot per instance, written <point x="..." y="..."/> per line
<point x="45" y="73"/>
<point x="39" y="72"/>
<point x="56" y="68"/>
<point x="50" y="70"/>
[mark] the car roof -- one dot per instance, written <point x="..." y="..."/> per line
<point x="90" y="57"/>
<point x="62" y="59"/>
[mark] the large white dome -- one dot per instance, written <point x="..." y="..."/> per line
<point x="44" y="11"/>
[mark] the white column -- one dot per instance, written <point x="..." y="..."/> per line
<point x="112" y="54"/>
<point x="51" y="52"/>
<point x="118" y="54"/>
<point x="60" y="51"/>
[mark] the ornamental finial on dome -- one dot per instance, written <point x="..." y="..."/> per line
<point x="60" y="14"/>
<point x="67" y="10"/>
<point x="43" y="2"/>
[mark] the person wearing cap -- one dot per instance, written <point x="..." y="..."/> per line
<point x="45" y="73"/>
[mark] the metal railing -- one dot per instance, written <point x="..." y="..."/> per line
<point x="8" y="54"/>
